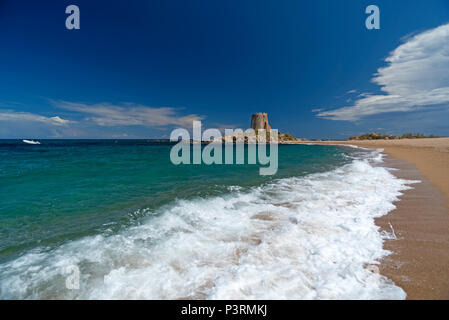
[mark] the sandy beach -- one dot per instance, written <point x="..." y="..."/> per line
<point x="420" y="259"/>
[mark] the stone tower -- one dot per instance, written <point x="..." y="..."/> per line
<point x="260" y="121"/>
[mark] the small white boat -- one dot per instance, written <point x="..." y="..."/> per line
<point x="31" y="142"/>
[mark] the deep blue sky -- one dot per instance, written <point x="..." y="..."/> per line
<point x="218" y="60"/>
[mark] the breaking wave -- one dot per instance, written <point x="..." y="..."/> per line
<point x="310" y="237"/>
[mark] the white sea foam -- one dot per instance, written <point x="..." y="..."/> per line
<point x="299" y="238"/>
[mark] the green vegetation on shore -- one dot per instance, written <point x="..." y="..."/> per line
<point x="379" y="136"/>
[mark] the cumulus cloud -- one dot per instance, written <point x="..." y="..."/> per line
<point x="416" y="76"/>
<point x="13" y="116"/>
<point x="110" y="115"/>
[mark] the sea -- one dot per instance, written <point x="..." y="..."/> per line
<point x="123" y="222"/>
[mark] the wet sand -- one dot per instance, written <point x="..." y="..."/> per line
<point x="420" y="260"/>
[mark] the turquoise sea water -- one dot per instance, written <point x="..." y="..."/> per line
<point x="135" y="226"/>
<point x="65" y="189"/>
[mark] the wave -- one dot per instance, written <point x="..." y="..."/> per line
<point x="311" y="237"/>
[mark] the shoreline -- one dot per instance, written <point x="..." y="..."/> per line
<point x="419" y="261"/>
<point x="419" y="258"/>
<point x="429" y="155"/>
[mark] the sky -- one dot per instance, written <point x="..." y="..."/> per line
<point x="139" y="69"/>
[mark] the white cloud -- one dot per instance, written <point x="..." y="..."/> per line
<point x="13" y="116"/>
<point x="110" y="115"/>
<point x="58" y="121"/>
<point x="417" y="75"/>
